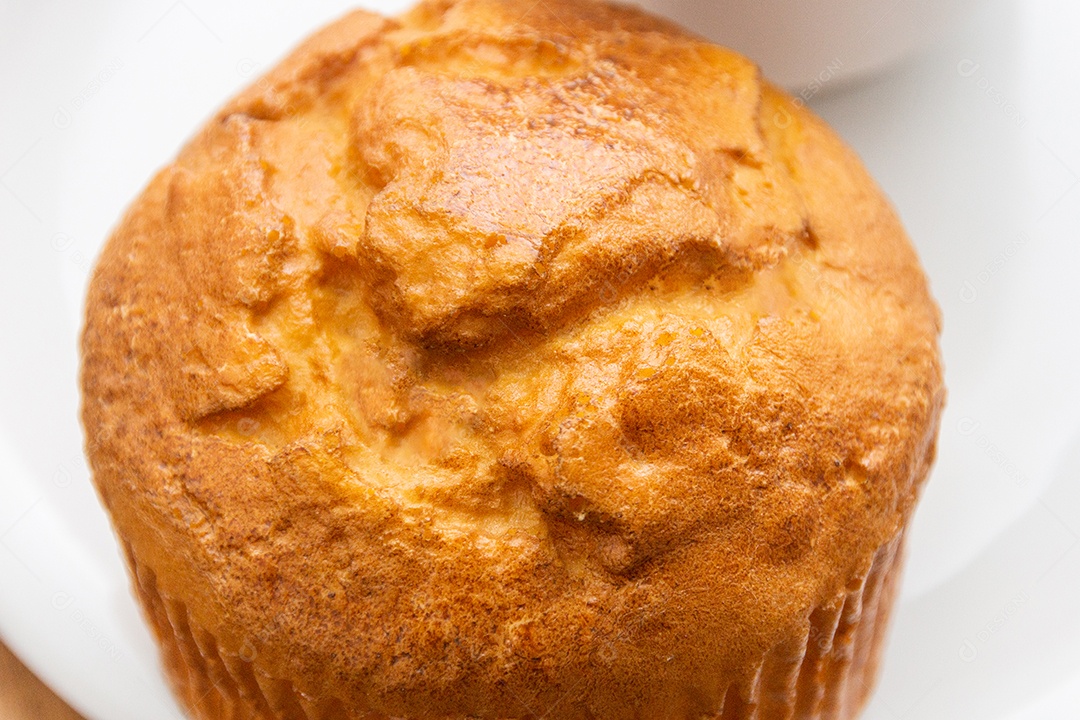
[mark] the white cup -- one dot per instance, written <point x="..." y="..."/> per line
<point x="802" y="44"/>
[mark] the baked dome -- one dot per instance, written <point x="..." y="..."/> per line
<point x="512" y="359"/>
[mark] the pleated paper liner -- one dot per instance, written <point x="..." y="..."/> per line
<point x="826" y="674"/>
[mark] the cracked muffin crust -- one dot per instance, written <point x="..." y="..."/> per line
<point x="512" y="359"/>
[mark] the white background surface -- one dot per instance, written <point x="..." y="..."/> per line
<point x="976" y="138"/>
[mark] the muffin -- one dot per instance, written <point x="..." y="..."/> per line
<point x="512" y="360"/>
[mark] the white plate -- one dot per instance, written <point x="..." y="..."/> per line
<point x="974" y="139"/>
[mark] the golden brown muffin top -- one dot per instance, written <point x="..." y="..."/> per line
<point x="509" y="356"/>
